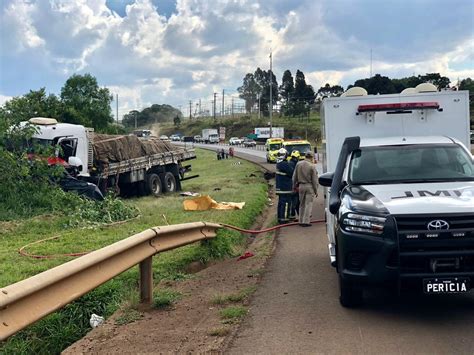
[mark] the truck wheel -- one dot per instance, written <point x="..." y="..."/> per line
<point x="169" y="182"/>
<point x="351" y="294"/>
<point x="153" y="185"/>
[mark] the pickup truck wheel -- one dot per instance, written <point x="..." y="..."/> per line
<point x="153" y="184"/>
<point x="168" y="181"/>
<point x="351" y="294"/>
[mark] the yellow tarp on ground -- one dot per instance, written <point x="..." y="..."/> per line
<point x="204" y="203"/>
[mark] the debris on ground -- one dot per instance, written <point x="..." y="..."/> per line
<point x="205" y="203"/>
<point x="247" y="254"/>
<point x="189" y="193"/>
<point x="96" y="320"/>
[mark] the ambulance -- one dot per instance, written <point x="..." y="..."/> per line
<point x="272" y="145"/>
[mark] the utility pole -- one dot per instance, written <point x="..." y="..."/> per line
<point x="271" y="89"/>
<point x="190" y="110"/>
<point x="200" y="112"/>
<point x="232" y="107"/>
<point x="214" y="106"/>
<point x="222" y="110"/>
<point x="370" y="63"/>
<point x="259" y="95"/>
<point x="116" y="107"/>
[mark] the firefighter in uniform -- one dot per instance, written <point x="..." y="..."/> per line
<point x="295" y="200"/>
<point x="284" y="186"/>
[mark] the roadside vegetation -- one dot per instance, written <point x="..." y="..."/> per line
<point x="220" y="179"/>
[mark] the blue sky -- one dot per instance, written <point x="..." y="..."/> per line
<point x="167" y="51"/>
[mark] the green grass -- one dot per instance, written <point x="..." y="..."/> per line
<point x="234" y="297"/>
<point x="165" y="297"/>
<point x="57" y="331"/>
<point x="232" y="313"/>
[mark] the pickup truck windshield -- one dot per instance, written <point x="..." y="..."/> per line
<point x="302" y="148"/>
<point x="410" y="164"/>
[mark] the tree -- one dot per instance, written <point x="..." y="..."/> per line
<point x="287" y="89"/>
<point x="177" y="121"/>
<point x="262" y="77"/>
<point x="329" y="91"/>
<point x="377" y="84"/>
<point x="86" y="103"/>
<point x="304" y="95"/>
<point x="34" y="104"/>
<point x="441" y="82"/>
<point x="249" y="91"/>
<point x="149" y="115"/>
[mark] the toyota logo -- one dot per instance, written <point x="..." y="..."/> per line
<point x="438" y="224"/>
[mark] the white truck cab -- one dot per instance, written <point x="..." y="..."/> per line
<point x="400" y="191"/>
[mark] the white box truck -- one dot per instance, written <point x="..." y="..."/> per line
<point x="210" y="135"/>
<point x="400" y="191"/>
<point x="264" y="132"/>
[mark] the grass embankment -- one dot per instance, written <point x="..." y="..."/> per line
<point x="243" y="125"/>
<point x="220" y="179"/>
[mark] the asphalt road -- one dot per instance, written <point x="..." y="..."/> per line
<point x="296" y="307"/>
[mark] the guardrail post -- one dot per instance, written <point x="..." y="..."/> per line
<point x="146" y="280"/>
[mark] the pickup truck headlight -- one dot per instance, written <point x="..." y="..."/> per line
<point x="353" y="222"/>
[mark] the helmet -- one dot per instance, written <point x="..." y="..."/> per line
<point x="282" y="152"/>
<point x="295" y="154"/>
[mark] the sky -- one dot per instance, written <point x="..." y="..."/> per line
<point x="167" y="51"/>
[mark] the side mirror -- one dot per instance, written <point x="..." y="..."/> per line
<point x="75" y="161"/>
<point x="326" y="179"/>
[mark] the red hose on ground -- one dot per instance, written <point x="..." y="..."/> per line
<point x="249" y="231"/>
<point x="22" y="251"/>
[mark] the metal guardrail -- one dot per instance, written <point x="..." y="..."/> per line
<point x="29" y="300"/>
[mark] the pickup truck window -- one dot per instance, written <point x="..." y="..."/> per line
<point x="410" y="164"/>
<point x="275" y="146"/>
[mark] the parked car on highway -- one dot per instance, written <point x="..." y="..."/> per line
<point x="164" y="137"/>
<point x="472" y="137"/>
<point x="249" y="142"/>
<point x="175" y="138"/>
<point x="197" y="139"/>
<point x="235" y="141"/>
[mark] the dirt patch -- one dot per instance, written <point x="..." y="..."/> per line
<point x="203" y="319"/>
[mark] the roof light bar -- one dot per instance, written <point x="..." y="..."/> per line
<point x="398" y="106"/>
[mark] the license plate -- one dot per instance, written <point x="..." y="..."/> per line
<point x="451" y="285"/>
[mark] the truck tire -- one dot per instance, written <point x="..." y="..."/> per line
<point x="351" y="295"/>
<point x="168" y="182"/>
<point x="153" y="185"/>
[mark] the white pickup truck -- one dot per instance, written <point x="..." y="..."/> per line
<point x="400" y="191"/>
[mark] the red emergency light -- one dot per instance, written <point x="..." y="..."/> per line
<point x="398" y="107"/>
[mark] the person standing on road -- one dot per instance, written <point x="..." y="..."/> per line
<point x="295" y="201"/>
<point x="305" y="179"/>
<point x="284" y="186"/>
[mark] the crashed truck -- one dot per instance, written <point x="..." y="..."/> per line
<point x="126" y="164"/>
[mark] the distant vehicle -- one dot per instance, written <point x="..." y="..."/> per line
<point x="235" y="141"/>
<point x="197" y="139"/>
<point x="472" y="137"/>
<point x="210" y="135"/>
<point x="249" y="142"/>
<point x="263" y="133"/>
<point x="302" y="146"/>
<point x="142" y="133"/>
<point x="272" y="146"/>
<point x="164" y="137"/>
<point x="175" y="138"/>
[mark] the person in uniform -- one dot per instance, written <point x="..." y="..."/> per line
<point x="284" y="186"/>
<point x="305" y="179"/>
<point x="295" y="201"/>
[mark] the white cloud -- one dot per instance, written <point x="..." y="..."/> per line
<point x="4" y="98"/>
